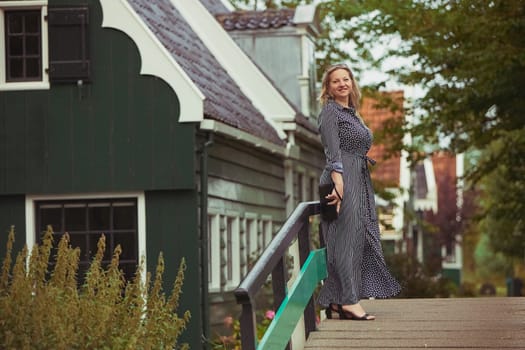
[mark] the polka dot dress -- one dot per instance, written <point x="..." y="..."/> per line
<point x="355" y="262"/>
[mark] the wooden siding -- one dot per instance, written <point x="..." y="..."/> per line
<point x="120" y="132"/>
<point x="12" y="212"/>
<point x="171" y="223"/>
<point x="244" y="179"/>
<point x="308" y="167"/>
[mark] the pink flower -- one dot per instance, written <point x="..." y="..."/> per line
<point x="228" y="321"/>
<point x="270" y="314"/>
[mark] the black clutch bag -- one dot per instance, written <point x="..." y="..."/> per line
<point x="328" y="212"/>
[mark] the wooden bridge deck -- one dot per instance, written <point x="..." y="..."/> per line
<point x="456" y="323"/>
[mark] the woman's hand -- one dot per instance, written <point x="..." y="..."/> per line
<point x="336" y="197"/>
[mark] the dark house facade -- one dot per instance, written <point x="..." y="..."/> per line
<point x="128" y="118"/>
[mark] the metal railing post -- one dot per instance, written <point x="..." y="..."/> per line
<point x="304" y="250"/>
<point x="279" y="283"/>
<point x="249" y="332"/>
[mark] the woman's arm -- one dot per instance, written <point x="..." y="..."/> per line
<point x="329" y="130"/>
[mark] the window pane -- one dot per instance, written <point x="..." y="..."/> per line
<point x="16" y="68"/>
<point x="124" y="217"/>
<point x="75" y="218"/>
<point x="32" y="45"/>
<point x="14" y="23"/>
<point x="16" y="46"/>
<point x="33" y="22"/>
<point x="99" y="218"/>
<point x="32" y="68"/>
<point x="51" y="216"/>
<point x="128" y="244"/>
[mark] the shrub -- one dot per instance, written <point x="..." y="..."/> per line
<point x="416" y="280"/>
<point x="41" y="309"/>
<point x="233" y="341"/>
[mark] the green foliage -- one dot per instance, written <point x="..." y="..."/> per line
<point x="503" y="205"/>
<point x="41" y="309"/>
<point x="490" y="265"/>
<point x="233" y="341"/>
<point x="471" y="73"/>
<point x="471" y="70"/>
<point x="416" y="281"/>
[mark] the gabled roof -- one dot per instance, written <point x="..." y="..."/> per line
<point x="251" y="80"/>
<point x="241" y="20"/>
<point x="167" y="33"/>
<point x="224" y="99"/>
<point x="270" y="19"/>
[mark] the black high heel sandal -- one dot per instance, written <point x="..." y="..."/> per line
<point x="328" y="311"/>
<point x="349" y="315"/>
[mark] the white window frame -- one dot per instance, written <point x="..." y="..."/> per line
<point x="266" y="230"/>
<point x="251" y="230"/>
<point x="141" y="216"/>
<point x="42" y="84"/>
<point x="214" y="256"/>
<point x="235" y="279"/>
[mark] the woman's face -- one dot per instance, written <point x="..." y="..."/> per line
<point x="340" y="85"/>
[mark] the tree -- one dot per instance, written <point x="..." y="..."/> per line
<point x="469" y="58"/>
<point x="503" y="216"/>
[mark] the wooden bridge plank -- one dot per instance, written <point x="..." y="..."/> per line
<point x="455" y="323"/>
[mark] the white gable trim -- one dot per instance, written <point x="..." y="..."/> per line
<point x="156" y="60"/>
<point x="240" y="67"/>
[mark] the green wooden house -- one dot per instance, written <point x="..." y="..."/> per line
<point x="145" y="121"/>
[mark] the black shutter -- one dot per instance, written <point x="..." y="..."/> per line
<point x="68" y="44"/>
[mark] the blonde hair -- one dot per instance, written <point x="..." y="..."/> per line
<point x="355" y="93"/>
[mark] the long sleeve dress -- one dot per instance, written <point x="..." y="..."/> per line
<point x="355" y="261"/>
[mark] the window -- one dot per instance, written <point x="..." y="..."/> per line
<point x="233" y="251"/>
<point x="266" y="231"/>
<point x="23" y="45"/>
<point x="86" y="220"/>
<point x="214" y="251"/>
<point x="39" y="45"/>
<point x="234" y="244"/>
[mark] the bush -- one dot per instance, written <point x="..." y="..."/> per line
<point x="41" y="309"/>
<point x="416" y="281"/>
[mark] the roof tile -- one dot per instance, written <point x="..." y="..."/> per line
<point x="242" y="20"/>
<point x="224" y="101"/>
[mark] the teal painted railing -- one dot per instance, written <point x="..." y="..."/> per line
<point x="290" y="304"/>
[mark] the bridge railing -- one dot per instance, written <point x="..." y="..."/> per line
<point x="290" y="304"/>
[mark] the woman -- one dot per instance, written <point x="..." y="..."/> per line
<point x="356" y="266"/>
